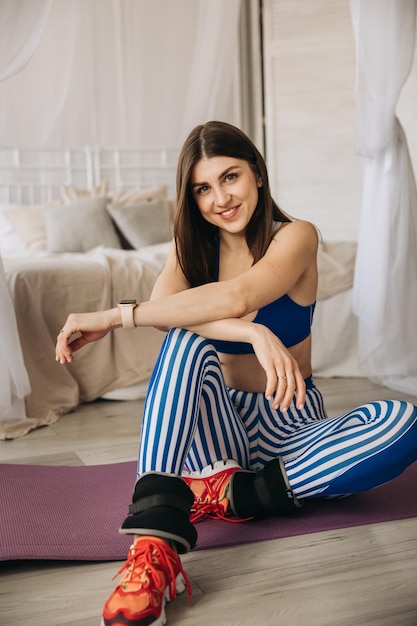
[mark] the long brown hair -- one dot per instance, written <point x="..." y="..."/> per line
<point x="195" y="238"/>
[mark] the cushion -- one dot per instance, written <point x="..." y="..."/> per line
<point x="336" y="267"/>
<point x="27" y="223"/>
<point x="71" y="194"/>
<point x="136" y="196"/>
<point x="9" y="240"/>
<point x="142" y="224"/>
<point x="80" y="226"/>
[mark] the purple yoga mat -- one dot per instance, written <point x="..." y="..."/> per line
<point x="73" y="513"/>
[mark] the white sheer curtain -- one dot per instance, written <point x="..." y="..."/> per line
<point x="14" y="381"/>
<point x="125" y="72"/>
<point x="108" y="72"/>
<point x="21" y="25"/>
<point x="385" y="287"/>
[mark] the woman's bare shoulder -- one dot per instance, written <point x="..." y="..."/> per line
<point x="298" y="226"/>
<point x="298" y="232"/>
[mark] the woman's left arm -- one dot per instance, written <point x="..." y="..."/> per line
<point x="287" y="258"/>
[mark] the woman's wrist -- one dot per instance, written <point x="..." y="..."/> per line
<point x="256" y="330"/>
<point x="115" y="318"/>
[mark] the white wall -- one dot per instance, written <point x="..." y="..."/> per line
<point x="310" y="113"/>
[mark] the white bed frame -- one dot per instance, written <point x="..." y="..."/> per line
<point x="33" y="176"/>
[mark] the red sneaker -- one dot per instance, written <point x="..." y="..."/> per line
<point x="211" y="491"/>
<point x="153" y="574"/>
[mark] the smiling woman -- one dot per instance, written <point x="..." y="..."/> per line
<point x="233" y="426"/>
<point x="212" y="142"/>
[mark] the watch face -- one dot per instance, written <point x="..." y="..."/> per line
<point x="127" y="302"/>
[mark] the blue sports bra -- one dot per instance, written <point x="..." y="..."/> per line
<point x="289" y="321"/>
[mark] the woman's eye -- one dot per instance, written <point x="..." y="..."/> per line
<point x="230" y="177"/>
<point x="202" y="189"/>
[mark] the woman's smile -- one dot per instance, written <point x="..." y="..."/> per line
<point x="228" y="214"/>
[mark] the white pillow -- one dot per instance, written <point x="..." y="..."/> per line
<point x="22" y="227"/>
<point x="9" y="240"/>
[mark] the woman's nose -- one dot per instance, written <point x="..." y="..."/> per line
<point x="221" y="197"/>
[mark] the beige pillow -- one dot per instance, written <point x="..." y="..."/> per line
<point x="135" y="196"/>
<point x="142" y="224"/>
<point x="71" y="194"/>
<point x="28" y="222"/>
<point x="336" y="267"/>
<point x="80" y="226"/>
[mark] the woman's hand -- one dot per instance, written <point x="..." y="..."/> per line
<point x="88" y="327"/>
<point x="283" y="376"/>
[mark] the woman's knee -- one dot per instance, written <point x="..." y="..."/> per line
<point x="410" y="410"/>
<point x="181" y="334"/>
<point x="183" y="353"/>
<point x="401" y="409"/>
<point x="194" y="341"/>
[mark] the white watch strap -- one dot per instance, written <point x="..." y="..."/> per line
<point x="126" y="312"/>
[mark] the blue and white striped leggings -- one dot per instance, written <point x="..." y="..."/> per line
<point x="191" y="419"/>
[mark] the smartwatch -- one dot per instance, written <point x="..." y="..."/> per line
<point x="126" y="311"/>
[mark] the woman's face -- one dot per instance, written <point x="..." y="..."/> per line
<point x="226" y="192"/>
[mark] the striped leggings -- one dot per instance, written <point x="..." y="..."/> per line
<point x="192" y="419"/>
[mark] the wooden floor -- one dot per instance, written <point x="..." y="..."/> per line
<point x="350" y="577"/>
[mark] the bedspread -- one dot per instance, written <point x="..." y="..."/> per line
<point x="45" y="289"/>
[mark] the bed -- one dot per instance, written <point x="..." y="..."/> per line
<point x="81" y="229"/>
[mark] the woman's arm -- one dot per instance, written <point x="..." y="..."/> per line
<point x="289" y="255"/>
<point x="292" y="251"/>
<point x="283" y="375"/>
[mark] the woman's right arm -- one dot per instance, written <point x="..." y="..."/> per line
<point x="93" y="326"/>
<point x="170" y="281"/>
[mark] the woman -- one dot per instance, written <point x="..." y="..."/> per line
<point x="233" y="424"/>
